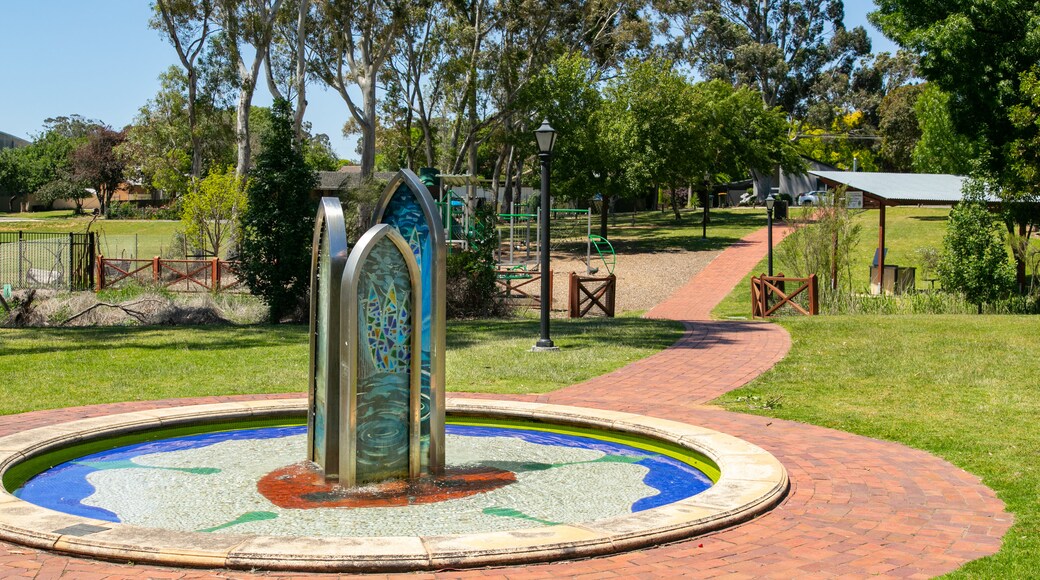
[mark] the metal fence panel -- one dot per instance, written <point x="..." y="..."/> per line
<point x="46" y="260"/>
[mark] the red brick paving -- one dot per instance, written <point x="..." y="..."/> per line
<point x="857" y="508"/>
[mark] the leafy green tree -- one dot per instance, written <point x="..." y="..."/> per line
<point x="974" y="259"/>
<point x="211" y="210"/>
<point x="278" y="222"/>
<point x="14" y="172"/>
<point x="778" y="47"/>
<point x="941" y="149"/>
<point x="566" y="93"/>
<point x="899" y="128"/>
<point x="162" y="148"/>
<point x="63" y="188"/>
<point x="318" y="153"/>
<point x="974" y="51"/>
<point x="188" y="24"/>
<point x="652" y="126"/>
<point x="96" y="163"/>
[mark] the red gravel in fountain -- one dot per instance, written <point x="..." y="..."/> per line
<point x="302" y="486"/>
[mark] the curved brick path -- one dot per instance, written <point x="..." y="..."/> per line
<point x="857" y="508"/>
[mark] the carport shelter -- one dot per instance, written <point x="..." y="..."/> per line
<point x="881" y="190"/>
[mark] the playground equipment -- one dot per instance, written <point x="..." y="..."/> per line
<point x="606" y="253"/>
<point x="519" y="225"/>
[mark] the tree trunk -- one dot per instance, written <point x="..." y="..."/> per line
<point x="604" y="212"/>
<point x="196" y="139"/>
<point x="245" y="99"/>
<point x="675" y="203"/>
<point x="368" y="127"/>
<point x="301" y="70"/>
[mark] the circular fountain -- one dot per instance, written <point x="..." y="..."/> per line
<point x="376" y="470"/>
<point x="747" y="481"/>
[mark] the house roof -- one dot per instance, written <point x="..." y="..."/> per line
<point x="899" y="188"/>
<point x="8" y="140"/>
<point x="338" y="180"/>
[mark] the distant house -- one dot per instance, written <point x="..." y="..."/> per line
<point x="9" y="141"/>
<point x="335" y="183"/>
<point x="795" y="184"/>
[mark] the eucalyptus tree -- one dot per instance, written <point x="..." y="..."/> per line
<point x="351" y="42"/>
<point x="163" y="143"/>
<point x="413" y="82"/>
<point x="187" y="24"/>
<point x="245" y="23"/>
<point x="285" y="64"/>
<point x="779" y="47"/>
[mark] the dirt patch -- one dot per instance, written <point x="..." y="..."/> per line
<point x="643" y="279"/>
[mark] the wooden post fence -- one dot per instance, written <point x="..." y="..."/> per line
<point x="587" y="292"/>
<point x="763" y="288"/>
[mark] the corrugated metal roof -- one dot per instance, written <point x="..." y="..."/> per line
<point x="901" y="187"/>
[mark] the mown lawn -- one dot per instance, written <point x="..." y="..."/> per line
<point x="49" y="368"/>
<point x="115" y="238"/>
<point x="962" y="387"/>
<point x="907" y="230"/>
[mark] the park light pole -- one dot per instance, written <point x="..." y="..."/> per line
<point x="769" y="229"/>
<point x="546" y="138"/>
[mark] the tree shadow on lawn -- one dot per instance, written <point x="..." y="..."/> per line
<point x="110" y="338"/>
<point x="584" y="333"/>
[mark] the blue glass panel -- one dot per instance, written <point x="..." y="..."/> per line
<point x="404" y="213"/>
<point x="384" y="358"/>
<point x="321" y="345"/>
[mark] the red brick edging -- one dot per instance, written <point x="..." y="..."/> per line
<point x="857" y="508"/>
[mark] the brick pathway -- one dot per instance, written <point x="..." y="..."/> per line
<point x="857" y="508"/>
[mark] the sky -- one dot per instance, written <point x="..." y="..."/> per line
<point x="99" y="59"/>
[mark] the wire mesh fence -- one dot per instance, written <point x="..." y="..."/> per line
<point x="47" y="260"/>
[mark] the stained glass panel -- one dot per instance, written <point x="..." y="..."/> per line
<point x="384" y="359"/>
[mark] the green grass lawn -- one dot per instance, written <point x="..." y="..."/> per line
<point x="116" y="238"/>
<point x="962" y="387"/>
<point x="657" y="231"/>
<point x="49" y="368"/>
<point x="907" y="229"/>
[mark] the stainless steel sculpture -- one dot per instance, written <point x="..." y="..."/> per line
<point x="377" y="340"/>
<point x="407" y="205"/>
<point x="379" y="348"/>
<point x="328" y="259"/>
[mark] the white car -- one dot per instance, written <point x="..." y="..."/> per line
<point x="811" y="198"/>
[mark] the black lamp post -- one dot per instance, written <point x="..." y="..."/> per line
<point x="546" y="138"/>
<point x="769" y="229"/>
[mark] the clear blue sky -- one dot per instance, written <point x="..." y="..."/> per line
<point x="99" y="59"/>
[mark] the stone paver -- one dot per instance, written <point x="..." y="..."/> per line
<point x="857" y="507"/>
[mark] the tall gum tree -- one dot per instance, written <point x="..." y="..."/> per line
<point x="351" y="42"/>
<point x="187" y="24"/>
<point x="246" y="23"/>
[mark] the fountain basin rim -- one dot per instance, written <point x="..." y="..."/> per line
<point x="752" y="481"/>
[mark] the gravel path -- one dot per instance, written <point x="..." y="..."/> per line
<point x="643" y="279"/>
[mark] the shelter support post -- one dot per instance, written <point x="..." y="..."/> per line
<point x="881" y="249"/>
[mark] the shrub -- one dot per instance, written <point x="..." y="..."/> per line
<point x="278" y="222"/>
<point x="974" y="257"/>
<point x="471" y="290"/>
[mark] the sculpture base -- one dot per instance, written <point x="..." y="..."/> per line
<point x="303" y="486"/>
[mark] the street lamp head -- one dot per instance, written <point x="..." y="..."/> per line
<point x="546" y="137"/>
<point x="769" y="202"/>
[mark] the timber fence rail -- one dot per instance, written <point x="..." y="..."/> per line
<point x="205" y="275"/>
<point x="522" y="287"/>
<point x="768" y="295"/>
<point x="587" y="292"/>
